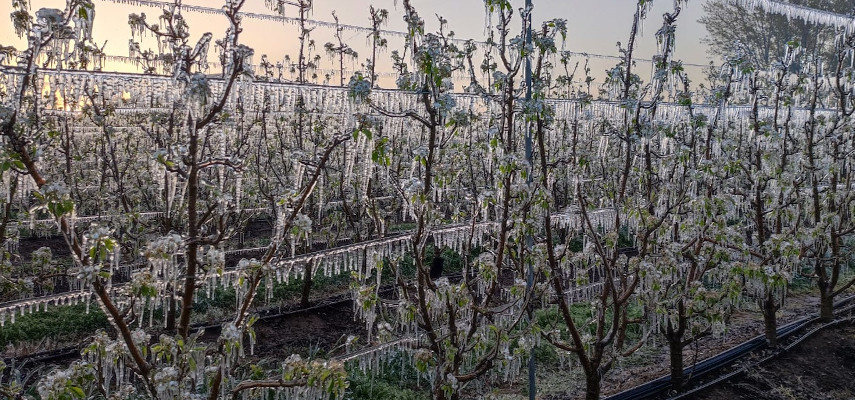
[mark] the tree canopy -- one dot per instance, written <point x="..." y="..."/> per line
<point x="761" y="37"/>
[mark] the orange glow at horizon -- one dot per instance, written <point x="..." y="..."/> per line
<point x="277" y="39"/>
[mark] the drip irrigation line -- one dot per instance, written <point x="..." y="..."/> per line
<point x="706" y="367"/>
<point x="743" y="369"/>
<point x="650" y="389"/>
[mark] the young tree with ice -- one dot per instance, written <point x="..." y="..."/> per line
<point x="762" y="36"/>
<point x="637" y="173"/>
<point x="467" y="325"/>
<point x="340" y="50"/>
<point x="379" y="17"/>
<point x="759" y="159"/>
<point x="829" y="199"/>
<point x="693" y="287"/>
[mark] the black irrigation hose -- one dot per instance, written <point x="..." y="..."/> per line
<point x="706" y="367"/>
<point x="743" y="369"/>
<point x="769" y="357"/>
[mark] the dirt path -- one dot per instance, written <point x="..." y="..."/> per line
<point x="822" y="367"/>
<point x="318" y="330"/>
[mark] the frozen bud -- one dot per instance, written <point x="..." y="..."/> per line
<point x="452" y="381"/>
<point x="230" y="333"/>
<point x="253" y="265"/>
<point x="97" y="233"/>
<point x="89" y="272"/>
<point x="359" y="88"/>
<point x="165" y="247"/>
<point x="143" y="283"/>
<point x="384" y="327"/>
<point x="42" y="257"/>
<point x="412" y="186"/>
<point x="212" y="257"/>
<point x="49" y="17"/>
<point x="421" y="151"/>
<point x="55" y="190"/>
<point x="444" y="104"/>
<point x="303" y="224"/>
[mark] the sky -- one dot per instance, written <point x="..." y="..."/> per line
<point x="594" y="26"/>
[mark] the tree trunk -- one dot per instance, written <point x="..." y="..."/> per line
<point x="621" y="335"/>
<point x="592" y="385"/>
<point x="675" y="348"/>
<point x="826" y="307"/>
<point x="307" y="285"/>
<point x="770" y="321"/>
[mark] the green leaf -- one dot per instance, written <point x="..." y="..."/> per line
<point x="77" y="391"/>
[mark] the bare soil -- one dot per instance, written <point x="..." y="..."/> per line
<point x="821" y="367"/>
<point x="57" y="245"/>
<point x="321" y="329"/>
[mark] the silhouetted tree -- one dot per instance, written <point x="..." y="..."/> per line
<point x="762" y="38"/>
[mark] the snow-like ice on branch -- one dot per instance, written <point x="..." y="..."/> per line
<point x="806" y="14"/>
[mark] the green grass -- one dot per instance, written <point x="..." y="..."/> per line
<point x="71" y="323"/>
<point x="402" y="227"/>
<point x="64" y="324"/>
<point x="550" y="318"/>
<point x="803" y="284"/>
<point x="398" y="380"/>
